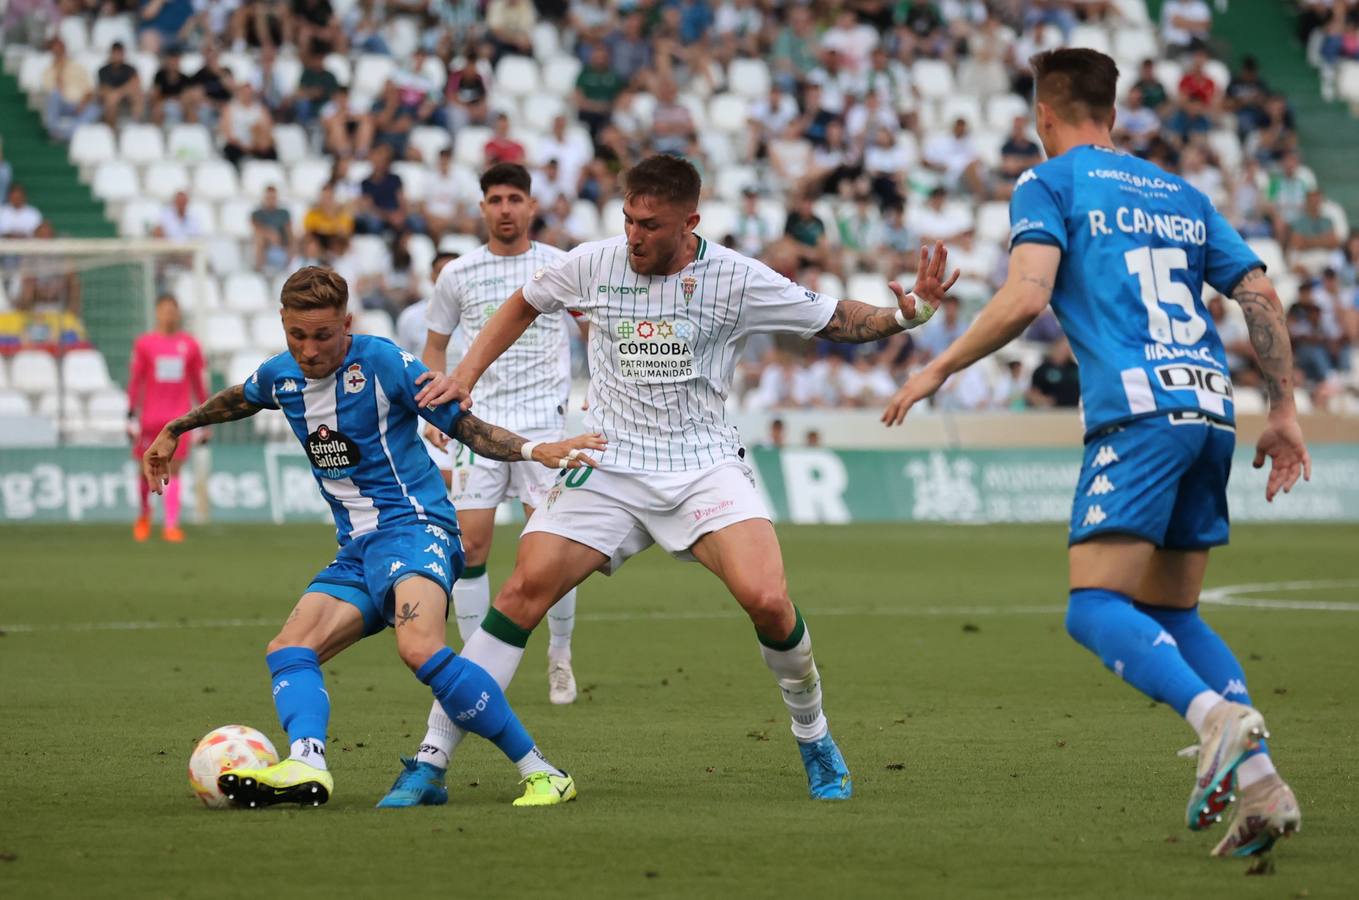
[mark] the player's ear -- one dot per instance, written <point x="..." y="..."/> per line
<point x="348" y="323"/>
<point x="691" y="222"/>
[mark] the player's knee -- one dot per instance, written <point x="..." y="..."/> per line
<point x="769" y="609"/>
<point x="415" y="652"/>
<point x="526" y="598"/>
<point x="283" y="642"/>
<point x="475" y="550"/>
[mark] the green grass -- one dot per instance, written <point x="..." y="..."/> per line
<point x="992" y="756"/>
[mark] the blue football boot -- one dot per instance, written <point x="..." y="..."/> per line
<point x="419" y="784"/>
<point x="828" y="777"/>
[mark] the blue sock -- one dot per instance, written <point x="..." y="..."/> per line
<point x="1133" y="645"/>
<point x="1206" y="652"/>
<point x="475" y="703"/>
<point x="299" y="693"/>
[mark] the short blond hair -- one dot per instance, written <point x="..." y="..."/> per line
<point x="313" y="287"/>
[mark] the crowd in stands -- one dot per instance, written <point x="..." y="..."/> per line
<point x="834" y="138"/>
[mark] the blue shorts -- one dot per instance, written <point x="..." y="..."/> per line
<point x="1161" y="478"/>
<point x="368" y="569"/>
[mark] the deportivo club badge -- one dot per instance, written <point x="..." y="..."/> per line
<point x="354" y="379"/>
<point x="688" y="284"/>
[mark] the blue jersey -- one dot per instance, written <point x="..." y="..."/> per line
<point x="1137" y="243"/>
<point x="359" y="429"/>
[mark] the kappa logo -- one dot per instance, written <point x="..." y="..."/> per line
<point x="1164" y="638"/>
<point x="395" y="566"/>
<point x="1025" y="178"/>
<point x="436" y="569"/>
<point x="1100" y="486"/>
<point x="288" y="387"/>
<point x="1094" y="516"/>
<point x="437" y="532"/>
<point x="255" y="378"/>
<point x="407" y="358"/>
<point x="1235" y="686"/>
<point x="354" y="379"/>
<point x="1105" y="456"/>
<point x="437" y="551"/>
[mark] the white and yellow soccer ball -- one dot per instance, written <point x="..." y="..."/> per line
<point x="223" y="749"/>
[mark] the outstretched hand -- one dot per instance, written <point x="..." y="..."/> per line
<point x="919" y="386"/>
<point x="930" y="285"/>
<point x="156" y="460"/>
<point x="1289" y="460"/>
<point x="570" y="453"/>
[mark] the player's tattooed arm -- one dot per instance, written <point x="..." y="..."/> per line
<point x="857" y="323"/>
<point x="224" y="406"/>
<point x="1268" y="335"/>
<point x="485" y="439"/>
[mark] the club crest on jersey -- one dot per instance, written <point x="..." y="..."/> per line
<point x="333" y="454"/>
<point x="354" y="379"/>
<point x="688" y="284"/>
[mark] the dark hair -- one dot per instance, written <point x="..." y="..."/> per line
<point x="669" y="179"/>
<point x="1079" y="84"/>
<point x="511" y="174"/>
<point x="312" y="287"/>
<point x="167" y="298"/>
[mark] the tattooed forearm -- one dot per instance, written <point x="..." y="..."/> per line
<point x="857" y="323"/>
<point x="1268" y="335"/>
<point x="490" y="441"/>
<point x="224" y="406"/>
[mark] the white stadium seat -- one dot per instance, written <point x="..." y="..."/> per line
<point x="963" y="106"/>
<point x="115" y="181"/>
<point x="290" y="142"/>
<point x="308" y="177"/>
<point x="92" y="144"/>
<point x="403" y="36"/>
<point x="729" y="113"/>
<point x="35" y="66"/>
<point x="13" y="403"/>
<point x="469" y="146"/>
<point x="749" y="78"/>
<point x="429" y="140"/>
<point x="1091" y="37"/>
<point x="258" y="174"/>
<point x="65" y="408"/>
<point x="376" y="322"/>
<point x="1270" y="253"/>
<point x="106" y="411"/>
<point x="993" y="222"/>
<point x="109" y="30"/>
<point x="84" y="371"/>
<point x="547" y="42"/>
<point x="422" y="251"/>
<point x="371" y="253"/>
<point x="215" y="179"/>
<point x="165" y="179"/>
<point x="141" y="144"/>
<point x="933" y="78"/>
<point x="338" y="66"/>
<point x="541" y="108"/>
<point x="33" y="372"/>
<point x="245" y="292"/>
<point x="224" y="255"/>
<point x="222" y="333"/>
<point x="461" y="244"/>
<point x="241" y="366"/>
<point x="560" y="74"/>
<point x="138" y="218"/>
<point x="1001" y="110"/>
<point x="233" y="217"/>
<point x="1132" y="45"/>
<point x="516" y="75"/>
<point x="196" y="295"/>
<point x="732" y="180"/>
<point x="266" y="332"/>
<point x="371" y="73"/>
<point x="243" y="68"/>
<point x="189" y="143"/>
<point x="73" y="33"/>
<point x="412" y="175"/>
<point x="869" y="288"/>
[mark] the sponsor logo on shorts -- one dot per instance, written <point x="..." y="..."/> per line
<point x="708" y="512"/>
<point x="552" y="496"/>
<point x="1094" y="516"/>
<point x="1105" y="455"/>
<point x="1100" y="486"/>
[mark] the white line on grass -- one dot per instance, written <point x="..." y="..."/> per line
<point x="1231" y="595"/>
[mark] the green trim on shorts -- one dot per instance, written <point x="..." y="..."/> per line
<point x="499" y="626"/>
<point x="788" y="643"/>
<point x="474" y="571"/>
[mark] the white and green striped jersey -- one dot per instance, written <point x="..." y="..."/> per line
<point x="663" y="348"/>
<point x="526" y="388"/>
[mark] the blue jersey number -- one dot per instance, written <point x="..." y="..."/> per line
<point x="1153" y="269"/>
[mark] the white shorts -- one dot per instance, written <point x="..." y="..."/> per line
<point x="481" y="483"/>
<point x="620" y="514"/>
<point x="442" y="458"/>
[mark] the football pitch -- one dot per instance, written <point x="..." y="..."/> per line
<point x="992" y="757"/>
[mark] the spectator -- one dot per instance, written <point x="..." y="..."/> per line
<point x="1056" y="381"/>
<point x="160" y="23"/>
<point x="597" y="87"/>
<point x="672" y="126"/>
<point x="328" y="221"/>
<point x="751" y="233"/>
<point x="6" y="173"/>
<point x="1196" y="83"/>
<point x="212" y="85"/>
<point x="630" y="52"/>
<point x="1195" y="169"/>
<point x="938" y="220"/>
<point x="449" y="198"/>
<point x="316" y="28"/>
<point x="363" y="26"/>
<point x="1007" y="391"/>
<point x="852" y="40"/>
<point x="1235" y="341"/>
<point x="886" y="164"/>
<point x="860" y="233"/>
<point x="805" y="233"/>
<point x="1154" y="94"/>
<point x="465" y="95"/>
<point x="955" y="156"/>
<point x="502" y="148"/>
<point x="383" y="207"/>
<point x="1136" y="124"/>
<point x="258" y="24"/>
<point x="120" y="85"/>
<point x="393" y="121"/>
<point x="1245" y="97"/>
<point x="570" y="156"/>
<point x="1289" y="186"/>
<point x="1307" y="333"/>
<point x="52" y="289"/>
<point x="1185" y="25"/>
<point x="899" y="246"/>
<point x="273" y="232"/>
<point x="510" y="26"/>
<point x="418" y="93"/>
<point x="1312" y="235"/>
<point x="316" y="87"/>
<point x="1250" y="211"/>
<point x="246" y="128"/>
<point x="348" y="132"/>
<point x="868" y="116"/>
<point x="1188" y="122"/>
<point x="18" y="218"/>
<point x="178" y="222"/>
<point x="171" y="94"/>
<point x="1020" y="152"/>
<point x="70" y="95"/>
<point x="790" y="156"/>
<point x="965" y="391"/>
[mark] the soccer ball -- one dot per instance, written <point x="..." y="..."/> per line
<point x="223" y="749"/>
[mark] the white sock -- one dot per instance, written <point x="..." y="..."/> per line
<point x="796" y="672"/>
<point x="1199" y="708"/>
<point x="471" y="600"/>
<point x="561" y="621"/>
<point x="493" y="655"/>
<point x="1256" y="768"/>
<point x="310" y="751"/>
<point x="535" y="762"/>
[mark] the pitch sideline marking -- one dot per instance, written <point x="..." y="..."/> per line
<point x="1226" y="595"/>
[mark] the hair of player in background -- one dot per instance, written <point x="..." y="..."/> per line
<point x="1077" y="84"/>
<point x="312" y="287"/>
<point x="167" y="298"/>
<point x="669" y="179"/>
<point x="511" y="174"/>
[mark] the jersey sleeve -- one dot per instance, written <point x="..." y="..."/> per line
<point x="398" y="371"/>
<point x="771" y="302"/>
<point x="445" y="308"/>
<point x="1227" y="257"/>
<point x="1036" y="214"/>
<point x="552" y="288"/>
<point x="259" y="387"/>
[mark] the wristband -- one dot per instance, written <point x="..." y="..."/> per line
<point x="528" y="448"/>
<point x="923" y="311"/>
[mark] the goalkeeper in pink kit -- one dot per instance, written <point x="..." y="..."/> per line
<point x="166" y="382"/>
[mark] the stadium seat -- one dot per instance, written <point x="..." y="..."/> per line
<point x="141" y="144"/>
<point x="189" y="143"/>
<point x="1303" y="401"/>
<point x="106" y="412"/>
<point x="258" y="174"/>
<point x="933" y="78"/>
<point x="308" y="177"/>
<point x="869" y="288"/>
<point x="729" y="113"/>
<point x="245" y="292"/>
<point x="749" y="77"/>
<point x="190" y="62"/>
<point x="266" y="332"/>
<point x="241" y="365"/>
<point x="66" y="409"/>
<point x="830" y="285"/>
<point x="287" y="74"/>
<point x="138" y="218"/>
<point x="516" y="75"/>
<point x="1336" y="213"/>
<point x="224" y="255"/>
<point x="371" y="253"/>
<point x="1090" y="37"/>
<point x="165" y="179"/>
<point x="33" y="372"/>
<point x="429" y="140"/>
<point x="963" y="106"/>
<point x="111" y="29"/>
<point x="92" y="144"/>
<point x="1227" y="146"/>
<point x="587" y="213"/>
<point x="403" y="36"/>
<point x="35" y="66"/>
<point x="196" y="295"/>
<point x="993" y="221"/>
<point x="222" y="333"/>
<point x="412" y="175"/>
<point x="242" y="66"/>
<point x="1132" y="45"/>
<point x="73" y="33"/>
<point x="1169" y="72"/>
<point x="1001" y="110"/>
<point x="560" y="74"/>
<point x="115" y="181"/>
<point x="338" y="66"/>
<point x="1270" y="253"/>
<point x="546" y="40"/>
<point x="215" y="179"/>
<point x="644" y="108"/>
<point x="541" y="108"/>
<point x="84" y="371"/>
<point x="290" y="141"/>
<point x="717" y="219"/>
<point x="611" y="218"/>
<point x="732" y="180"/>
<point x="13" y="403"/>
<point x="233" y="218"/>
<point x="1347" y="82"/>
<point x="422" y="250"/>
<point x="371" y="73"/>
<point x="469" y="146"/>
<point x="461" y="244"/>
<point x="376" y="322"/>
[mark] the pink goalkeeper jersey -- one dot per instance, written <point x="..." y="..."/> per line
<point x="167" y="376"/>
